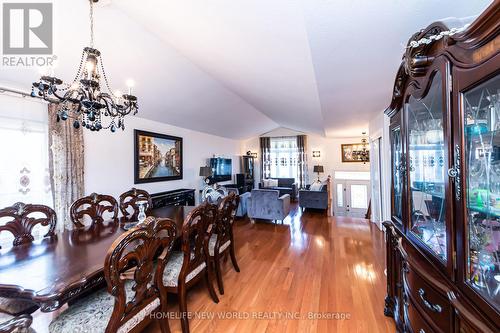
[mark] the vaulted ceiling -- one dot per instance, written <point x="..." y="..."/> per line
<point x="239" y="68"/>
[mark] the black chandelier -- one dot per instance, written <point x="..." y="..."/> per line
<point x="83" y="101"/>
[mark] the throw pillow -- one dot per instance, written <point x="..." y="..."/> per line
<point x="265" y="182"/>
<point x="316" y="186"/>
<point x="273" y="183"/>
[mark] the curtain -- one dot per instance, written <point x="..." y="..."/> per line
<point x="66" y="164"/>
<point x="265" y="152"/>
<point x="302" y="160"/>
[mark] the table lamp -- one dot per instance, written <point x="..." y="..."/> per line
<point x="206" y="172"/>
<point x="318" y="169"/>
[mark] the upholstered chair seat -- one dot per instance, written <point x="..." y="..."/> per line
<point x="92" y="313"/>
<point x="173" y="269"/>
<point x="18" y="324"/>
<point x="211" y="245"/>
<point x="16" y="306"/>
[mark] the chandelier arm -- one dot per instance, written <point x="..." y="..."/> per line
<point x="111" y="108"/>
<point x="56" y="94"/>
<point x="121" y="110"/>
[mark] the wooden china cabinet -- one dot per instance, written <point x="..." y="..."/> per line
<point x="443" y="240"/>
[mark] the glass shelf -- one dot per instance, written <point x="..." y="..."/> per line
<point x="482" y="161"/>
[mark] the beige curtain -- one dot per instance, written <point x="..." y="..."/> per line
<point x="302" y="160"/>
<point x="66" y="165"/>
<point x="265" y="152"/>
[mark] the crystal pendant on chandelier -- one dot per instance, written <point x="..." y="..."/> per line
<point x="82" y="101"/>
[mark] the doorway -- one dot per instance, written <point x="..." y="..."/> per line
<point x="351" y="197"/>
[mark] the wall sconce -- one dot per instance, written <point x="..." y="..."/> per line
<point x="316" y="153"/>
<point x="249" y="153"/>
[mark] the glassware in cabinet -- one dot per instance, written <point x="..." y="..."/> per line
<point x="481" y="107"/>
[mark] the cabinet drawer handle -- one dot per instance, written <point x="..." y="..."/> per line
<point x="433" y="307"/>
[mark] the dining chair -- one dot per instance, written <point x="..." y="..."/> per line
<point x="18" y="324"/>
<point x="131" y="300"/>
<point x="185" y="268"/>
<point x="222" y="240"/>
<point x="94" y="207"/>
<point x="128" y="202"/>
<point x="20" y="219"/>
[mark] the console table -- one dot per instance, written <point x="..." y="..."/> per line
<point x="180" y="197"/>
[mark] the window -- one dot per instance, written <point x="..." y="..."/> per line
<point x="284" y="157"/>
<point x="24" y="171"/>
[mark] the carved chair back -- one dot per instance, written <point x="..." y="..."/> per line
<point x="196" y="232"/>
<point x="22" y="218"/>
<point x="134" y="275"/>
<point x="128" y="202"/>
<point x="94" y="206"/>
<point x="225" y="218"/>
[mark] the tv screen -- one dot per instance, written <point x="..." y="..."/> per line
<point x="222" y="169"/>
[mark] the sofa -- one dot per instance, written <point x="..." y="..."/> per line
<point x="314" y="199"/>
<point x="285" y="186"/>
<point x="268" y="205"/>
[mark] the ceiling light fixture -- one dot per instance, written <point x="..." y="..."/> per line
<point x="82" y="100"/>
<point x="362" y="154"/>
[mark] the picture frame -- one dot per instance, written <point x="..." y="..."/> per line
<point x="348" y="157"/>
<point x="157" y="157"/>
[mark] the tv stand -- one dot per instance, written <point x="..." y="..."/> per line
<point x="180" y="197"/>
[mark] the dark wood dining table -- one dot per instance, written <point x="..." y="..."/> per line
<point x="54" y="272"/>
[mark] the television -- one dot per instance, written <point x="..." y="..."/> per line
<point x="222" y="169"/>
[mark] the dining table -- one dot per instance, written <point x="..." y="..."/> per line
<point x="53" y="272"/>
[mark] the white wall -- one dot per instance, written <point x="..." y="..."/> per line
<point x="379" y="128"/>
<point x="331" y="157"/>
<point x="109" y="157"/>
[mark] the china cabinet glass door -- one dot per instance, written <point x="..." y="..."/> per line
<point x="481" y="107"/>
<point x="397" y="173"/>
<point x="428" y="168"/>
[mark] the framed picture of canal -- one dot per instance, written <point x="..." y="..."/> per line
<point x="158" y="157"/>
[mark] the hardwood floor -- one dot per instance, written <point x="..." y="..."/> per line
<point x="292" y="274"/>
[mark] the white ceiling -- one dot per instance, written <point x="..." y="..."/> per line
<point x="239" y="68"/>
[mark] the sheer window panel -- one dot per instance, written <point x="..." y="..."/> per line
<point x="24" y="171"/>
<point x="284" y="157"/>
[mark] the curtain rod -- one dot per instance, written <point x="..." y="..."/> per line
<point x="24" y="94"/>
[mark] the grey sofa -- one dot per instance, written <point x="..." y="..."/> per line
<point x="285" y="186"/>
<point x="314" y="199"/>
<point x="268" y="205"/>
